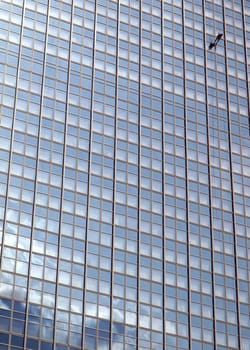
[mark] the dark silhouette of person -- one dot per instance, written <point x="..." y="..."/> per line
<point x="214" y="43"/>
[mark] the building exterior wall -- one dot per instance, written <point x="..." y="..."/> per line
<point x="124" y="175"/>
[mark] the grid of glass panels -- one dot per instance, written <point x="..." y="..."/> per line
<point x="125" y="175"/>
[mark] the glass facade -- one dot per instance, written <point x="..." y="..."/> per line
<point x="124" y="175"/>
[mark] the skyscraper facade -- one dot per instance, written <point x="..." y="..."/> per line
<point x="124" y="175"/>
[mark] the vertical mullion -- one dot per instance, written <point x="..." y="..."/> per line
<point x="246" y="59"/>
<point x="36" y="179"/>
<point x="12" y="132"/>
<point x="63" y="171"/>
<point x="186" y="172"/>
<point x="163" y="176"/>
<point x="114" y="177"/>
<point x="209" y="170"/>
<point x="231" y="178"/>
<point x="139" y="181"/>
<point x="88" y="176"/>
